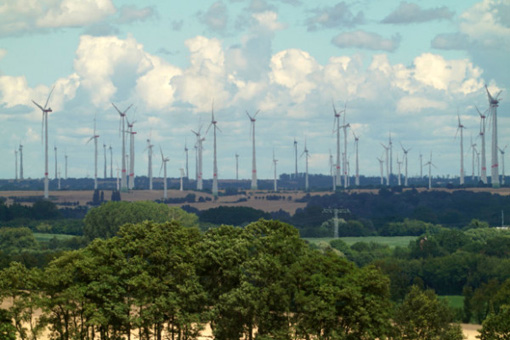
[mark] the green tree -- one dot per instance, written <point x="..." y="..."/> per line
<point x="423" y="316"/>
<point x="105" y="220"/>
<point x="7" y="330"/>
<point x="17" y="240"/>
<point x="497" y="325"/>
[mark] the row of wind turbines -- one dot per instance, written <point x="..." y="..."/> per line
<point x="339" y="177"/>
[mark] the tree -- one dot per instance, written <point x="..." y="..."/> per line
<point x="423" y="316"/>
<point x="497" y="325"/>
<point x="17" y="240"/>
<point x="105" y="220"/>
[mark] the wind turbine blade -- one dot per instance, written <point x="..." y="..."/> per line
<point x="116" y="108"/>
<point x="256" y="113"/>
<point x="206" y="131"/>
<point x="217" y="127"/>
<point x="39" y="106"/>
<point x="249" y="115"/>
<point x="48" y="99"/>
<point x="91" y="138"/>
<point x="161" y="150"/>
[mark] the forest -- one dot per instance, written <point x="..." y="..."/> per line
<point x="152" y="270"/>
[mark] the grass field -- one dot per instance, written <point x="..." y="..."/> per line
<point x="454" y="301"/>
<point x="42" y="237"/>
<point x="391" y="241"/>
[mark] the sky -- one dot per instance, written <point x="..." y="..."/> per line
<point x="409" y="69"/>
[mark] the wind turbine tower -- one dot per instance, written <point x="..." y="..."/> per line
<point x="405" y="163"/>
<point x="199" y="149"/>
<point x="482" y="136"/>
<point x="45" y="112"/>
<point x="356" y="140"/>
<point x="131" y="133"/>
<point x="237" y="167"/>
<point x="493" y="101"/>
<point x="381" y="165"/>
<point x="21" y="162"/>
<point x="215" y="160"/>
<point x="429" y="163"/>
<point x="473" y="154"/>
<point x="307" y="155"/>
<point x="94" y="137"/>
<point x="461" y="128"/>
<point x="387" y="148"/>
<point x="122" y="130"/>
<point x="181" y="188"/>
<point x="104" y="153"/>
<point x="502" y="164"/>
<point x="344" y="127"/>
<point x="163" y="165"/>
<point x="399" y="165"/>
<point x="149" y="153"/>
<point x="15" y="164"/>
<point x="111" y="161"/>
<point x="254" y="161"/>
<point x="56" y="167"/>
<point x="186" y="150"/>
<point x="390" y="145"/>
<point x="332" y="170"/>
<point x="336" y="128"/>
<point x="275" y="187"/>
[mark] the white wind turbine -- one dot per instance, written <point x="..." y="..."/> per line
<point x="356" y="141"/>
<point x="111" y="161"/>
<point x="482" y="136"/>
<point x="104" y="153"/>
<point x="186" y="150"/>
<point x="199" y="150"/>
<point x="336" y="122"/>
<point x="399" y="165"/>
<point x="131" y="133"/>
<point x="149" y="154"/>
<point x="461" y="127"/>
<point x="307" y="155"/>
<point x="502" y="151"/>
<point x="163" y="166"/>
<point x="215" y="162"/>
<point x="275" y="187"/>
<point x="344" y="127"/>
<point x="20" y="162"/>
<point x="387" y="148"/>
<point x="254" y="160"/>
<point x="94" y="137"/>
<point x="56" y="164"/>
<point x="45" y="112"/>
<point x="405" y="164"/>
<point x="332" y="169"/>
<point x="381" y="165"/>
<point x="473" y="156"/>
<point x="237" y="167"/>
<point x="15" y="164"/>
<point x="181" y="188"/>
<point x="122" y="130"/>
<point x="430" y="164"/>
<point x="390" y="146"/>
<point x="493" y="101"/>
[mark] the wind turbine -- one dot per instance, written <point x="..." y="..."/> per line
<point x="482" y="136"/>
<point x="503" y="164"/>
<point x="405" y="165"/>
<point x="45" y="110"/>
<point x="163" y="166"/>
<point x="237" y="167"/>
<point x="356" y="140"/>
<point x="215" y="162"/>
<point x="390" y="145"/>
<point x="111" y="161"/>
<point x="56" y="167"/>
<point x="387" y="148"/>
<point x="381" y="165"/>
<point x="461" y="127"/>
<point x="254" y="161"/>
<point x="131" y="182"/>
<point x="344" y="127"/>
<point x="307" y="155"/>
<point x="473" y="148"/>
<point x="122" y="130"/>
<point x="493" y="101"/>
<point x="94" y="137"/>
<point x="20" y="162"/>
<point x="104" y="153"/>
<point x="199" y="149"/>
<point x="181" y="188"/>
<point x="332" y="169"/>
<point x="15" y="164"/>
<point x="274" y="168"/>
<point x="430" y="164"/>
<point x="149" y="153"/>
<point x="336" y="122"/>
<point x="295" y="159"/>
<point x="399" y="165"/>
<point x="186" y="152"/>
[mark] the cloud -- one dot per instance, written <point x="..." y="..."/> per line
<point x="268" y="20"/>
<point x="129" y="14"/>
<point x="411" y="104"/>
<point x="338" y="15"/>
<point x="451" y="41"/>
<point x="3" y="53"/>
<point x="20" y="17"/>
<point x="408" y="13"/>
<point x="216" y="17"/>
<point x="366" y="40"/>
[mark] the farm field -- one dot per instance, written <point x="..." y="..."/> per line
<point x="43" y="237"/>
<point x="391" y="241"/>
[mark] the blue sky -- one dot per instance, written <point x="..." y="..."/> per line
<point x="402" y="67"/>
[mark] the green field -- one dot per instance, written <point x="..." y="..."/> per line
<point x="391" y="241"/>
<point x="454" y="301"/>
<point x="42" y="237"/>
